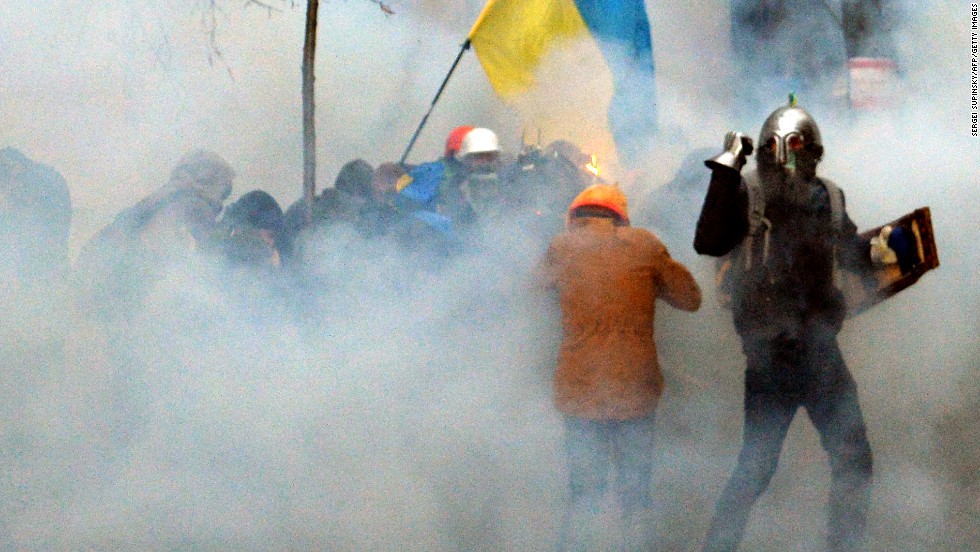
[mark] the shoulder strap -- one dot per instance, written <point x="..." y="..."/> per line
<point x="757" y="203"/>
<point x="758" y="223"/>
<point x="836" y="197"/>
<point x="836" y="203"/>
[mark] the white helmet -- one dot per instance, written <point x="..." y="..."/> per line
<point x="479" y="140"/>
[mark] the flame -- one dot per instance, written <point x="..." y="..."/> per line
<point x="593" y="166"/>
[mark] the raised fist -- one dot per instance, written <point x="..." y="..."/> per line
<point x="737" y="149"/>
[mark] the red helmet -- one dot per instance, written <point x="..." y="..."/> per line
<point x="455" y="140"/>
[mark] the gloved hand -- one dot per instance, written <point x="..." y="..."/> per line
<point x="881" y="254"/>
<point x="737" y="149"/>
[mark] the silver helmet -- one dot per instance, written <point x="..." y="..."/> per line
<point x="790" y="139"/>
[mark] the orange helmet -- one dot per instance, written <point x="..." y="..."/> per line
<point x="455" y="140"/>
<point x="602" y="195"/>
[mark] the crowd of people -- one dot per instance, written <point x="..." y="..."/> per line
<point x="784" y="227"/>
<point x="271" y="261"/>
<point x="379" y="233"/>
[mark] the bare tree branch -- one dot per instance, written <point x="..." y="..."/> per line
<point x="210" y="21"/>
<point x="384" y="7"/>
<point x="264" y="5"/>
<point x="268" y="6"/>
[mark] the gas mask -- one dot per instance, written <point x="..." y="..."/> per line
<point x="482" y="192"/>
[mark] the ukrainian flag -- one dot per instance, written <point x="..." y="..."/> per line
<point x="512" y="37"/>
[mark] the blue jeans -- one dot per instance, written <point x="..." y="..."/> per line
<point x="591" y="448"/>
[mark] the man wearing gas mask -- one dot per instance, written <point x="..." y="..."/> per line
<point x="787" y="232"/>
<point x="476" y="193"/>
<point x="459" y="191"/>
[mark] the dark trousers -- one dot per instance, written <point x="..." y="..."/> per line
<point x="591" y="448"/>
<point x="782" y="375"/>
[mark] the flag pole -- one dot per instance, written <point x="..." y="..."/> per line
<point x="459" y="56"/>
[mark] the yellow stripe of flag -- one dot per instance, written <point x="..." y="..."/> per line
<point x="511" y="36"/>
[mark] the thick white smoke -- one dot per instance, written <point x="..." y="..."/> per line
<point x="410" y="410"/>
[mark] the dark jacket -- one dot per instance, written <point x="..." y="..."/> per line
<point x="795" y="286"/>
<point x="117" y="267"/>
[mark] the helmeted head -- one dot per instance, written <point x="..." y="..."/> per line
<point x="204" y="173"/>
<point x="603" y="196"/>
<point x="479" y="147"/>
<point x="455" y="140"/>
<point x="479" y="153"/>
<point x="790" y="140"/>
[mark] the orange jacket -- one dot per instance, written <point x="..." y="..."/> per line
<point x="608" y="278"/>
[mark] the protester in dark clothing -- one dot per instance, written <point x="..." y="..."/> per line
<point x="542" y="182"/>
<point x="367" y="204"/>
<point x="35" y="218"/>
<point x="608" y="276"/>
<point x="253" y="230"/>
<point x="354" y="200"/>
<point x="339" y="204"/>
<point x="35" y="214"/>
<point x="119" y="270"/>
<point x="297" y="222"/>
<point x="251" y="249"/>
<point x="118" y="264"/>
<point x="354" y="178"/>
<point x="380" y="215"/>
<point x="124" y="258"/>
<point x="788" y="232"/>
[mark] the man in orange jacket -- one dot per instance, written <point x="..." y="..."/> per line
<point x="608" y="276"/>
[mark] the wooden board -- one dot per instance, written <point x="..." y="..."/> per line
<point x="891" y="279"/>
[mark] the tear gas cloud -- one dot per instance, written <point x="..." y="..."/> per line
<point x="404" y="405"/>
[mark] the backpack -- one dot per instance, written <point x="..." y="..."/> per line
<point x="754" y="249"/>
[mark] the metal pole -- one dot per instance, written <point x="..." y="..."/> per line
<point x="466" y="46"/>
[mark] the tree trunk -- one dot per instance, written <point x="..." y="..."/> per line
<point x="309" y="128"/>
